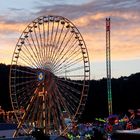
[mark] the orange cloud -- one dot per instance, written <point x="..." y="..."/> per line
<point x="124" y="39"/>
<point x="125" y="35"/>
<point x="12" y="28"/>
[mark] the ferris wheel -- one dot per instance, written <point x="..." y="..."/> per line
<point x="49" y="75"/>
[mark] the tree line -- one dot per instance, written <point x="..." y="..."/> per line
<point x="125" y="95"/>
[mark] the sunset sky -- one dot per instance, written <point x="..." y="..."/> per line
<point x="89" y="17"/>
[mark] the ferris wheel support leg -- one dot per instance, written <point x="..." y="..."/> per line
<point x="23" y="117"/>
<point x="44" y="115"/>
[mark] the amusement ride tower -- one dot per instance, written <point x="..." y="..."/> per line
<point x="108" y="65"/>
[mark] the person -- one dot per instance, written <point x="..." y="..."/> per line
<point x="39" y="135"/>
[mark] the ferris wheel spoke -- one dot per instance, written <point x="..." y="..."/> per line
<point x="39" y="114"/>
<point x="70" y="42"/>
<point x="27" y="61"/>
<point x="60" y="56"/>
<point x="69" y="88"/>
<point x="26" y="94"/>
<point x="39" y="46"/>
<point x="54" y="41"/>
<point x="74" y="62"/>
<point x="64" y="66"/>
<point x="71" y="76"/>
<point x="51" y="37"/>
<point x="33" y="56"/>
<point x="37" y="40"/>
<point x="60" y="50"/>
<point x="67" y="92"/>
<point x="35" y="47"/>
<point x="65" y="55"/>
<point x="40" y="40"/>
<point x="29" y="89"/>
<point x="67" y="106"/>
<point x="60" y="102"/>
<point x="69" y="96"/>
<point x="68" y="59"/>
<point x="64" y="44"/>
<point x="44" y="40"/>
<point x="23" y="71"/>
<point x="70" y="64"/>
<point x="71" y="53"/>
<point x="77" y="83"/>
<point x="28" y="53"/>
<point x="24" y="83"/>
<point x="55" y="119"/>
<point x="47" y="36"/>
<point x="71" y="107"/>
<point x="52" y="112"/>
<point x="58" y="110"/>
<point x="70" y="46"/>
<point x="23" y="77"/>
<point x="58" y="41"/>
<point x="65" y="71"/>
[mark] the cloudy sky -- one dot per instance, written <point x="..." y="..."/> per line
<point x="89" y="17"/>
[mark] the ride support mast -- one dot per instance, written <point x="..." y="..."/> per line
<point x="108" y="66"/>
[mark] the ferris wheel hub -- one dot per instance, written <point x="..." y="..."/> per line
<point x="40" y="76"/>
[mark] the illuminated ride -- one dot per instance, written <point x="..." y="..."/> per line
<point x="49" y="75"/>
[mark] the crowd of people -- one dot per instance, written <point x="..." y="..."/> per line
<point x="104" y="128"/>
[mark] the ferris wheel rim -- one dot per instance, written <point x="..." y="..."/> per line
<point x="85" y="61"/>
